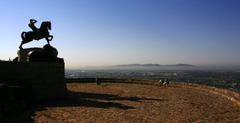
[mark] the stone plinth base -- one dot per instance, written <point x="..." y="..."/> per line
<point x="46" y="80"/>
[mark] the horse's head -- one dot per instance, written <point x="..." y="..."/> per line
<point x="46" y="25"/>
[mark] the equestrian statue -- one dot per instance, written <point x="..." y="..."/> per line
<point x="36" y="33"/>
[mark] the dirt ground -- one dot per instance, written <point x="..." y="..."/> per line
<point x="136" y="103"/>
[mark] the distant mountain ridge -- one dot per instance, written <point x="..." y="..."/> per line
<point x="154" y="65"/>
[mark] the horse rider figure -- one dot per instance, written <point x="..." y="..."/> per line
<point x="32" y="26"/>
<point x="36" y="33"/>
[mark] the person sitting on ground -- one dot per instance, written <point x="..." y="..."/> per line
<point x="160" y="82"/>
<point x="166" y="82"/>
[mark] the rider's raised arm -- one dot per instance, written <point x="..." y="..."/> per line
<point x="33" y="21"/>
<point x="32" y="26"/>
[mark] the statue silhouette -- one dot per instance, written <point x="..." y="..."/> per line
<point x="36" y="34"/>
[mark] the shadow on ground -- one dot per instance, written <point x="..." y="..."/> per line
<point x="82" y="99"/>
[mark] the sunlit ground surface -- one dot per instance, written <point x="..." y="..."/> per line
<point x="117" y="103"/>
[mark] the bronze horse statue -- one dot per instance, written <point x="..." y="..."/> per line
<point x="36" y="34"/>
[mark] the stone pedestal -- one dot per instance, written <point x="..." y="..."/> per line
<point x="48" y="80"/>
<point x="37" y="69"/>
<point x="44" y="80"/>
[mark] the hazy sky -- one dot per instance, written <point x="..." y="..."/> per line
<point x="109" y="32"/>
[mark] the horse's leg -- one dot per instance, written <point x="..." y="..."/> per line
<point x="24" y="42"/>
<point x="23" y="35"/>
<point x="27" y="37"/>
<point x="20" y="47"/>
<point x="49" y="38"/>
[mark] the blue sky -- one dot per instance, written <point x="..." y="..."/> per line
<point x="109" y="32"/>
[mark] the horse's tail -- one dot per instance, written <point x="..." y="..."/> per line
<point x="23" y="35"/>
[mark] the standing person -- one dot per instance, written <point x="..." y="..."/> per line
<point x="98" y="81"/>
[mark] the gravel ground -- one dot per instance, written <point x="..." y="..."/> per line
<point x="134" y="103"/>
